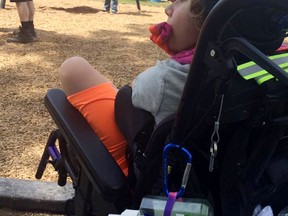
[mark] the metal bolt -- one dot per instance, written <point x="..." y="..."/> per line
<point x="212" y="53"/>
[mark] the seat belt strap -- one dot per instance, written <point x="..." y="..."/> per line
<point x="250" y="70"/>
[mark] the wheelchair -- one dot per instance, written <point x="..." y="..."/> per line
<point x="232" y="167"/>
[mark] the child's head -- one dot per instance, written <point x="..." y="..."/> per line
<point x="186" y="18"/>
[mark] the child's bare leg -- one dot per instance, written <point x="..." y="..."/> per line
<point x="76" y="75"/>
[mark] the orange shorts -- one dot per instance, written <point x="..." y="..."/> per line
<point x="97" y="105"/>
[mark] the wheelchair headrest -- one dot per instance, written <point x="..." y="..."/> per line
<point x="265" y="28"/>
<point x="209" y="4"/>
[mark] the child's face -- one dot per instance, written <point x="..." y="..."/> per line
<point x="185" y="32"/>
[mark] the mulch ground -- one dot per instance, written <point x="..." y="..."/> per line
<point x="117" y="45"/>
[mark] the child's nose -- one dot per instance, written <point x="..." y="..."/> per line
<point x="169" y="10"/>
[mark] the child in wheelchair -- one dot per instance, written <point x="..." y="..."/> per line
<point x="157" y="90"/>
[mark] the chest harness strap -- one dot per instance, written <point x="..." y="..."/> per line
<point x="251" y="70"/>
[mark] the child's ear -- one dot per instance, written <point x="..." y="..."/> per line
<point x="199" y="23"/>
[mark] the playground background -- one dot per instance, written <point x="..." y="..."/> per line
<point x="117" y="45"/>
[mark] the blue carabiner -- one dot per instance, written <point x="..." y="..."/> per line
<point x="185" y="174"/>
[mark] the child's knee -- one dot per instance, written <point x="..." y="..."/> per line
<point x="71" y="67"/>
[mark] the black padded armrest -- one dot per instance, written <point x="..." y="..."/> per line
<point x="103" y="171"/>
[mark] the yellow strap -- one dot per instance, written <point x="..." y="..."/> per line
<point x="261" y="75"/>
<point x="251" y="63"/>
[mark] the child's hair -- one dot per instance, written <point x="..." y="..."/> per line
<point x="197" y="8"/>
<point x="201" y="8"/>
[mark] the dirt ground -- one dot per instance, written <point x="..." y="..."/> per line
<point x="117" y="45"/>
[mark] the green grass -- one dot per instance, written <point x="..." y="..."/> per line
<point x="162" y="3"/>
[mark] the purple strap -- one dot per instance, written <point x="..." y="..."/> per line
<point x="169" y="204"/>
